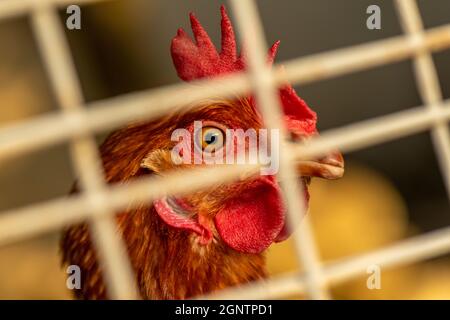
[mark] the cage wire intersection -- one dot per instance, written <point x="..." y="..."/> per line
<point x="97" y="202"/>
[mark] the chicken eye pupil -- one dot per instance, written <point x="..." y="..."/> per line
<point x="211" y="137"/>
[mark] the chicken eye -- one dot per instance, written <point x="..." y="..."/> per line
<point x="212" y="138"/>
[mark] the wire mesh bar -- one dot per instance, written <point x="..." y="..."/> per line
<point x="267" y="97"/>
<point x="356" y="136"/>
<point x="14" y="8"/>
<point x="352" y="137"/>
<point x="428" y="84"/>
<point x="18" y="224"/>
<point x="110" y="248"/>
<point x="372" y="132"/>
<point x="361" y="57"/>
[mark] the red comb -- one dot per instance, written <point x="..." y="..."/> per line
<point x="201" y="60"/>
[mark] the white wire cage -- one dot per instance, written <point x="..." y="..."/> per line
<point x="98" y="202"/>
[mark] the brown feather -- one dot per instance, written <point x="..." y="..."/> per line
<point x="168" y="263"/>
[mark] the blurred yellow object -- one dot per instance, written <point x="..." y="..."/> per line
<point x="357" y="214"/>
<point x="32" y="270"/>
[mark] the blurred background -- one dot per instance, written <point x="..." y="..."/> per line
<point x="390" y="192"/>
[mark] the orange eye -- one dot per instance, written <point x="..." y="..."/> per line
<point x="211" y="139"/>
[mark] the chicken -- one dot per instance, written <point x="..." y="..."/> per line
<point x="211" y="239"/>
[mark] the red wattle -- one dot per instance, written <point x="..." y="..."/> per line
<point x="251" y="222"/>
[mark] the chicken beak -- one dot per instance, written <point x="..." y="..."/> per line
<point x="328" y="167"/>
